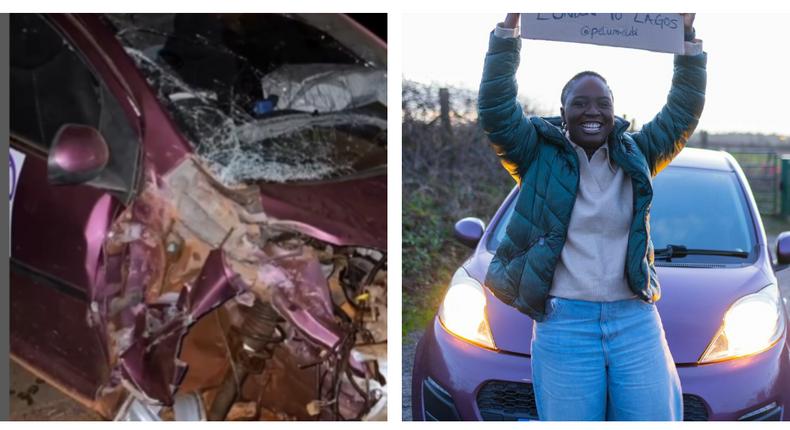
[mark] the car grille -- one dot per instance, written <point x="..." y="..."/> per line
<point x="506" y="401"/>
<point x="510" y="401"/>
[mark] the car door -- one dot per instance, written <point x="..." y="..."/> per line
<point x="57" y="232"/>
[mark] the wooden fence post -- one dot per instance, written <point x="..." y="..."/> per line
<point x="447" y="127"/>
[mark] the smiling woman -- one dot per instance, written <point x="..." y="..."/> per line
<point x="587" y="110"/>
<point x="577" y="247"/>
<point x="625" y="276"/>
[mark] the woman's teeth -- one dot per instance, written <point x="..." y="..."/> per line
<point x="591" y="127"/>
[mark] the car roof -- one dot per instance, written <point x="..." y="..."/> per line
<point x="704" y="159"/>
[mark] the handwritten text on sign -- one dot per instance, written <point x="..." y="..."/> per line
<point x="662" y="32"/>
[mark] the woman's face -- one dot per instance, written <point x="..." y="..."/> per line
<point x="588" y="112"/>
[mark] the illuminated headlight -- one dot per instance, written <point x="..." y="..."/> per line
<point x="752" y="324"/>
<point x="463" y="311"/>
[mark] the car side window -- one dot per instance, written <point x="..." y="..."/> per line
<point x="51" y="85"/>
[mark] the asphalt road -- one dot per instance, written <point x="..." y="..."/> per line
<point x="409" y="345"/>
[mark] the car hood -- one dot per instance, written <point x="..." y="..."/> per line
<point x="349" y="212"/>
<point x="692" y="306"/>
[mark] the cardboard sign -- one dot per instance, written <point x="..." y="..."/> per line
<point x="15" y="161"/>
<point x="662" y="32"/>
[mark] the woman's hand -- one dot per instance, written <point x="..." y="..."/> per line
<point x="688" y="24"/>
<point x="511" y="20"/>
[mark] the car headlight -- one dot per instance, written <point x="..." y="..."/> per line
<point x="752" y="324"/>
<point x="463" y="310"/>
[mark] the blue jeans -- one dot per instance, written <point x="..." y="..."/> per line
<point x="604" y="361"/>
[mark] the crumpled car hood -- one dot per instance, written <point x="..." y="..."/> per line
<point x="340" y="212"/>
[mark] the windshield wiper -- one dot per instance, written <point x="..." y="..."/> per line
<point x="680" y="251"/>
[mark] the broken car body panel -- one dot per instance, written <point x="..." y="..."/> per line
<point x="192" y="241"/>
<point x="342" y="220"/>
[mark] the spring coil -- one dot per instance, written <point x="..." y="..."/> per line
<point x="259" y="330"/>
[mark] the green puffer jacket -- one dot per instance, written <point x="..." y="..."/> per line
<point x="539" y="157"/>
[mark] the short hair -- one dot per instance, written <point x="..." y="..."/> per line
<point x="567" y="88"/>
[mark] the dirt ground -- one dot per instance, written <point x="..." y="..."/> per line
<point x="34" y="400"/>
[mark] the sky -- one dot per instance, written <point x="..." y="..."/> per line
<point x="748" y="88"/>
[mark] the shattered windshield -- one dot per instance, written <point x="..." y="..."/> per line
<point x="262" y="97"/>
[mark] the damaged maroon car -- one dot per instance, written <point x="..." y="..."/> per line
<point x="198" y="214"/>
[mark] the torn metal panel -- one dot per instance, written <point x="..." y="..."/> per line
<point x="189" y="245"/>
<point x="201" y="208"/>
<point x="160" y="239"/>
<point x="340" y="210"/>
<point x="294" y="281"/>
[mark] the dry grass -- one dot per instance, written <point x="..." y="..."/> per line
<point x="447" y="175"/>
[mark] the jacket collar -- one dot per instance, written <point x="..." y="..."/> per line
<point x="551" y="129"/>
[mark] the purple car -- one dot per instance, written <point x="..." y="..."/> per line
<point x="198" y="214"/>
<point x="724" y="315"/>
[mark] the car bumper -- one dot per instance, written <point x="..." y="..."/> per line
<point x="455" y="380"/>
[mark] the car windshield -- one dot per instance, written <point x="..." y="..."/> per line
<point x="696" y="208"/>
<point x="263" y="97"/>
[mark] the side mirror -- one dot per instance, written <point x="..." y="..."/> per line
<point x="77" y="155"/>
<point x="783" y="248"/>
<point x="469" y="231"/>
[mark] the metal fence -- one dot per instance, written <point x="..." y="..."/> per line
<point x="763" y="170"/>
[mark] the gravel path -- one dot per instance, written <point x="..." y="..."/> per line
<point x="409" y="346"/>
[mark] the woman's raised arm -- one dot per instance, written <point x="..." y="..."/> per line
<point x="666" y="134"/>
<point x="501" y="116"/>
